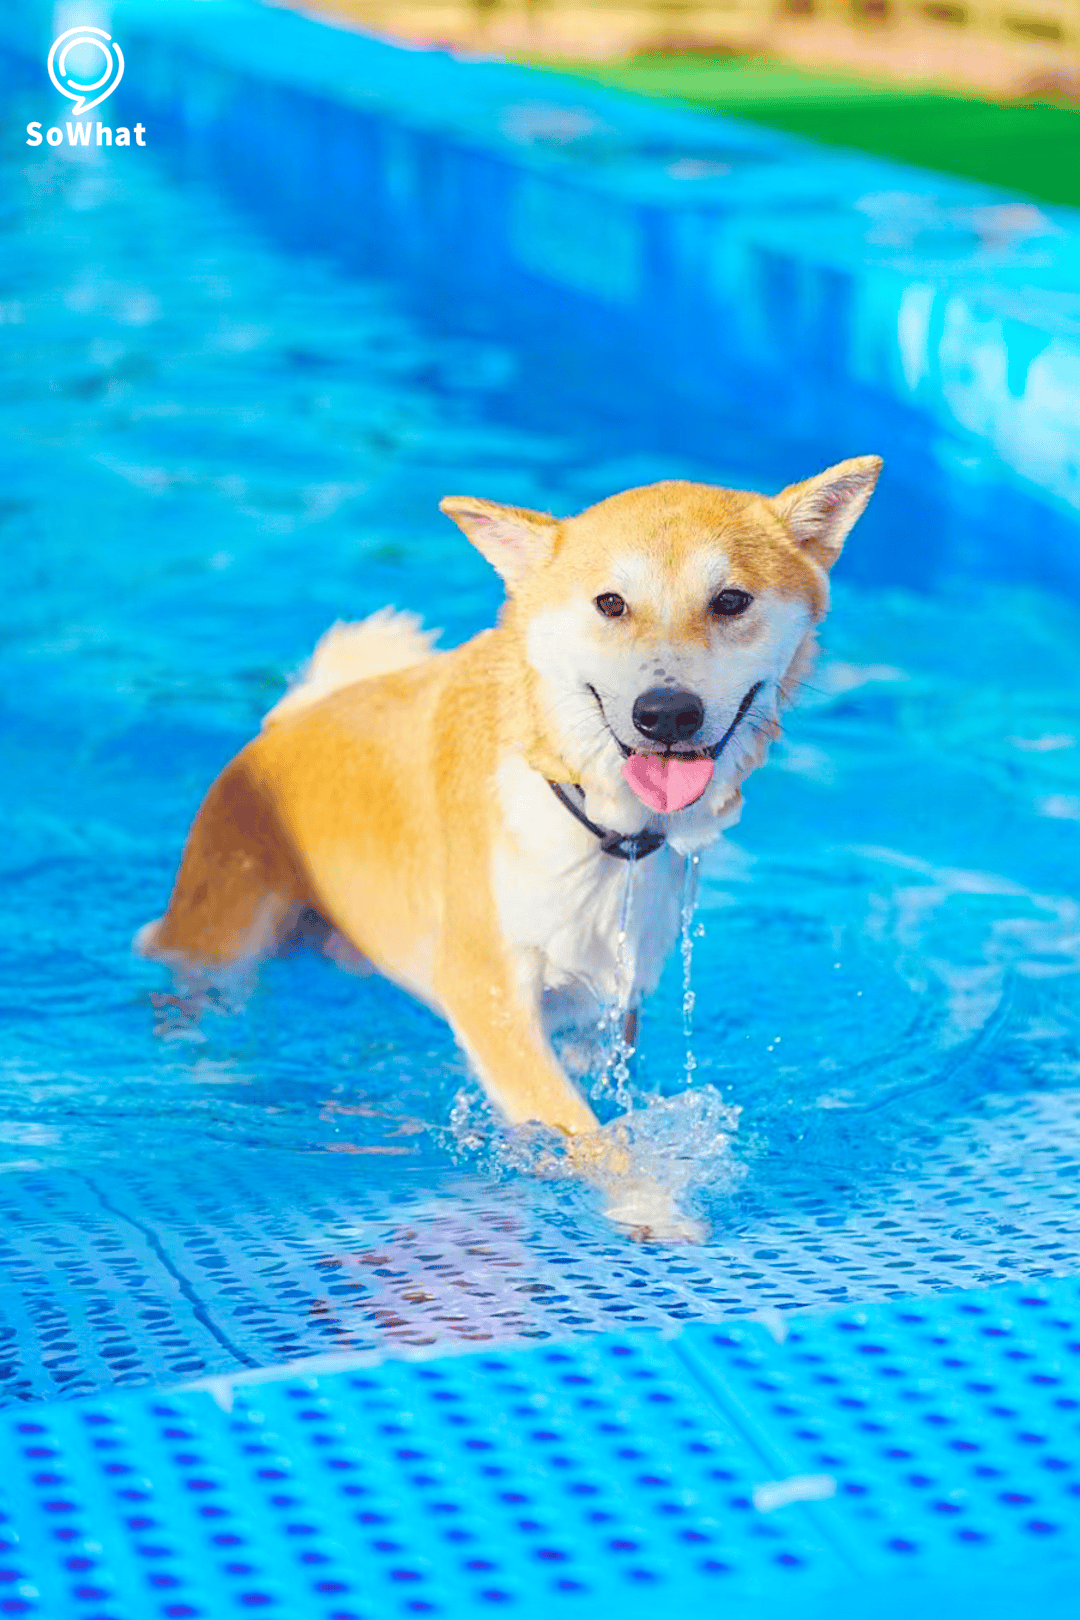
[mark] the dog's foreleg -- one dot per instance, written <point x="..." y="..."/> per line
<point x="497" y="1021"/>
<point x="494" y="1010"/>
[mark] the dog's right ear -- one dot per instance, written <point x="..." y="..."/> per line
<point x="513" y="539"/>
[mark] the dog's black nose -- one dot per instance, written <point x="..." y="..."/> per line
<point x="667" y="715"/>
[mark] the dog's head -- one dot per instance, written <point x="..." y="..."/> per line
<point x="663" y="627"/>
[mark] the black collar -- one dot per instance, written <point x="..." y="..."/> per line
<point x="624" y="846"/>
<point x="635" y="846"/>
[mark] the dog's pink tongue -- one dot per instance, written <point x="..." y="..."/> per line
<point x="666" y="781"/>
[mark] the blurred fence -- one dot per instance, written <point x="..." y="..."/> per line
<point x="673" y="23"/>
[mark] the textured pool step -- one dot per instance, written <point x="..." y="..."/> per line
<point x="914" y="1454"/>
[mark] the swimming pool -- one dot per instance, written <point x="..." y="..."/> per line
<point x="214" y="445"/>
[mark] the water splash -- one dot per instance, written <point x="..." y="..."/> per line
<point x="478" y="1137"/>
<point x="680" y="1151"/>
<point x="686" y="948"/>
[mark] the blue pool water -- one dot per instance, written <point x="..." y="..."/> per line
<point x="212" y="448"/>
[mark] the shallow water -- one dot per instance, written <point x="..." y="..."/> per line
<point x="211" y="450"/>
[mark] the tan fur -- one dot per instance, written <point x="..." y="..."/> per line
<point x="371" y="794"/>
<point x="379" y="645"/>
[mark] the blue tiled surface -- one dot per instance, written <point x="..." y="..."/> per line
<point x="951" y="1426"/>
<point x="619" y="1474"/>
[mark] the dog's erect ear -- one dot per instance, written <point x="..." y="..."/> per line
<point x="513" y="539"/>
<point x="821" y="512"/>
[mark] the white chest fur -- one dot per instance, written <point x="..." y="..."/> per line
<point x="588" y="929"/>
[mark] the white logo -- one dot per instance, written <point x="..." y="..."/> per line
<point x="99" y="40"/>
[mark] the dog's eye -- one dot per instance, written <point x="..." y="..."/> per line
<point x="728" y="604"/>
<point x="611" y="605"/>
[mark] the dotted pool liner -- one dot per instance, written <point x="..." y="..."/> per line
<point x="156" y="1274"/>
<point x="618" y="1474"/>
<point x="512" y="1482"/>
<point x="949" y="1424"/>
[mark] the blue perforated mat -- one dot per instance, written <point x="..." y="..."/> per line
<point x="121" y="1277"/>
<point x="862" y="1461"/>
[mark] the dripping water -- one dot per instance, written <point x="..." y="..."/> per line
<point x="686" y="947"/>
<point x="616" y="1023"/>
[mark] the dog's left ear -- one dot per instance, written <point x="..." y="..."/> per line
<point x="513" y="539"/>
<point x="821" y="512"/>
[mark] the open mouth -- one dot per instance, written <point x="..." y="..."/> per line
<point x="668" y="779"/>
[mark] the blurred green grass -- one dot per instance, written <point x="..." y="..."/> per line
<point x="1031" y="147"/>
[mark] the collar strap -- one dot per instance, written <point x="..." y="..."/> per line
<point x="635" y="846"/>
<point x="624" y="846"/>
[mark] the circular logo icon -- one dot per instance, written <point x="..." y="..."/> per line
<point x="90" y="46"/>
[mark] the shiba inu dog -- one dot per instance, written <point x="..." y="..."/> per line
<point x="463" y="820"/>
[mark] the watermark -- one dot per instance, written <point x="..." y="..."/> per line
<point x="93" y="40"/>
<point x="75" y="56"/>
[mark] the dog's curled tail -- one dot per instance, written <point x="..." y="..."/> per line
<point x="347" y="653"/>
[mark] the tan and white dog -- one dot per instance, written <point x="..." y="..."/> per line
<point x="462" y="819"/>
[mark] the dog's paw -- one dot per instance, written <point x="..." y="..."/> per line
<point x="648" y="1212"/>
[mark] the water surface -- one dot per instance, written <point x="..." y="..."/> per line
<point x="211" y="449"/>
